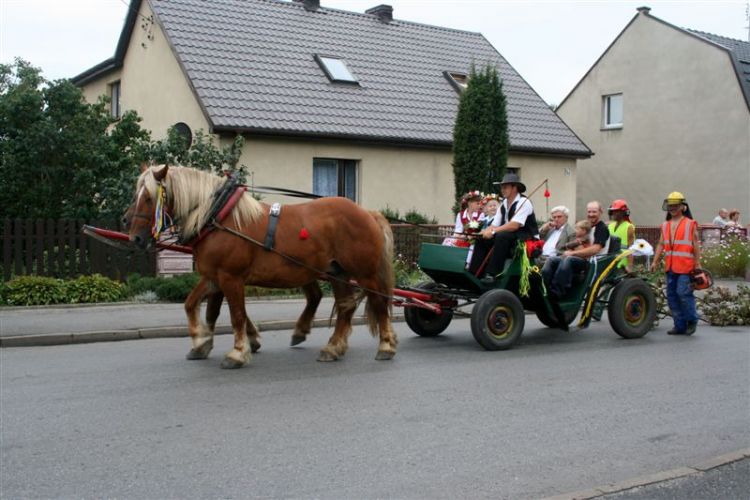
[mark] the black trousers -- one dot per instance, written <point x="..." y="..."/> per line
<point x="503" y="243"/>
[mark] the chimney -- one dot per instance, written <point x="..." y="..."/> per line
<point x="644" y="10"/>
<point x="383" y="12"/>
<point x="310" y="5"/>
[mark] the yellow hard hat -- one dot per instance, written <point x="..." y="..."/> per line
<point x="673" y="198"/>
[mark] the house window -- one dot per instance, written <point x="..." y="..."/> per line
<point x="612" y="111"/>
<point x="459" y="80"/>
<point x="332" y="177"/>
<point x="114" y="95"/>
<point x="335" y="69"/>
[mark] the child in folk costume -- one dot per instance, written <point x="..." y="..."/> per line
<point x="468" y="220"/>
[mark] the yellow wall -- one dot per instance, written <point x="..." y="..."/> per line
<point x="686" y="125"/>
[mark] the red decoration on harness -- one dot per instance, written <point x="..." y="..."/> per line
<point x="546" y="193"/>
<point x="304" y="234"/>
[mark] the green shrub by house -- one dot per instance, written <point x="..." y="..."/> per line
<point x="92" y="289"/>
<point x="35" y="290"/>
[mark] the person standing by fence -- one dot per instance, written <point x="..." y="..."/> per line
<point x="680" y="244"/>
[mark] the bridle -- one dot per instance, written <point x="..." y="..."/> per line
<point x="161" y="218"/>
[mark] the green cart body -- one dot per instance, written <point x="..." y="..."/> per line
<point x="497" y="316"/>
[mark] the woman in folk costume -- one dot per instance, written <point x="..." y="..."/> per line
<point x="680" y="244"/>
<point x="622" y="227"/>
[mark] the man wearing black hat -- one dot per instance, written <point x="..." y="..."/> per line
<point x="515" y="221"/>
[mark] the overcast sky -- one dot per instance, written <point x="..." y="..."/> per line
<point x="550" y="43"/>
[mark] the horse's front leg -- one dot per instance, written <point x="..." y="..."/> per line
<point x="313" y="294"/>
<point x="213" y="308"/>
<point x="234" y="291"/>
<point x="201" y="335"/>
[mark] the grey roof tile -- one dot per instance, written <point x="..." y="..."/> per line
<point x="740" y="53"/>
<point x="251" y="64"/>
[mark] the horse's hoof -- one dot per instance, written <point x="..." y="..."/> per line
<point x="384" y="355"/>
<point x="196" y="354"/>
<point x="201" y="352"/>
<point x="254" y="347"/>
<point x="297" y="339"/>
<point x="231" y="364"/>
<point x="326" y="356"/>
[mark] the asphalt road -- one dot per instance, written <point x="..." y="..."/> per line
<point x="445" y="419"/>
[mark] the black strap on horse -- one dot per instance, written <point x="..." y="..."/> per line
<point x="221" y="196"/>
<point x="273" y="221"/>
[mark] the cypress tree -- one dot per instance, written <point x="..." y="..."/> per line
<point x="480" y="135"/>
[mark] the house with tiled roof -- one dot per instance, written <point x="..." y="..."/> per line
<point x="339" y="103"/>
<point x="665" y="109"/>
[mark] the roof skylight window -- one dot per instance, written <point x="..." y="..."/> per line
<point x="459" y="80"/>
<point x="335" y="69"/>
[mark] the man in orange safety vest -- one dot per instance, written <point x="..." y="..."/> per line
<point x="680" y="245"/>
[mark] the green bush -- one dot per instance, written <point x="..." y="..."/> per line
<point x="94" y="288"/>
<point x="720" y="307"/>
<point x="3" y="293"/>
<point x="137" y="284"/>
<point x="176" y="288"/>
<point x="407" y="274"/>
<point x="412" y="216"/>
<point x="729" y="259"/>
<point x="34" y="290"/>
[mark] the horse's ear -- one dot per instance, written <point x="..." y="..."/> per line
<point x="161" y="174"/>
<point x="144" y="166"/>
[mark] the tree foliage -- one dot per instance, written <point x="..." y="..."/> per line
<point x="480" y="135"/>
<point x="59" y="158"/>
<point x="65" y="158"/>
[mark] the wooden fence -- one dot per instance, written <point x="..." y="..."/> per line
<point x="58" y="248"/>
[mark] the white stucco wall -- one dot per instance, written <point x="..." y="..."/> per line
<point x="686" y="125"/>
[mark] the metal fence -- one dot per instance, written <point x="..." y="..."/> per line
<point x="57" y="248"/>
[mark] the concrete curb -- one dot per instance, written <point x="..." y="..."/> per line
<point x="50" y="339"/>
<point x="657" y="477"/>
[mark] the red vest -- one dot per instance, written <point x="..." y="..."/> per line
<point x="680" y="251"/>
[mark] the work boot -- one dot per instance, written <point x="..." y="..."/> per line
<point x="675" y="331"/>
<point x="691" y="326"/>
<point x="487" y="279"/>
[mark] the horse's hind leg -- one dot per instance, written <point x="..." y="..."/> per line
<point x="201" y="335"/>
<point x="313" y="294"/>
<point x="346" y="304"/>
<point x="378" y="311"/>
<point x="234" y="291"/>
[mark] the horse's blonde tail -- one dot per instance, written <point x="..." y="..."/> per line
<point x="377" y="305"/>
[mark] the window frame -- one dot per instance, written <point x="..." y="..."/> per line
<point x="341" y="166"/>
<point x="607" y="124"/>
<point x="319" y="58"/>
<point x="115" y="109"/>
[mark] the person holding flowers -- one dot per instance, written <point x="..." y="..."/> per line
<point x="468" y="220"/>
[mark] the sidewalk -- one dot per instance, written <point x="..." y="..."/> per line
<point x="73" y="324"/>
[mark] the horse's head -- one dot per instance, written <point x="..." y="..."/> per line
<point x="142" y="218"/>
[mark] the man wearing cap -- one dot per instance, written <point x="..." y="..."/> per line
<point x="515" y="221"/>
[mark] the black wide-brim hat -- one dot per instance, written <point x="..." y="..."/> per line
<point x="512" y="179"/>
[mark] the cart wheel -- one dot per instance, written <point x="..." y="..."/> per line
<point x="497" y="320"/>
<point x="426" y="323"/>
<point x="632" y="308"/>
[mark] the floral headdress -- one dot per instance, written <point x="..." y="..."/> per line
<point x="465" y="199"/>
<point x="487" y="198"/>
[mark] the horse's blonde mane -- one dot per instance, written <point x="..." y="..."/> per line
<point x="190" y="194"/>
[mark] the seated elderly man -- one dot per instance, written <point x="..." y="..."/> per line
<point x="556" y="233"/>
<point x="722" y="219"/>
<point x="558" y="271"/>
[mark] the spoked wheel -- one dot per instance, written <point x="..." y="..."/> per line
<point x="632" y="308"/>
<point x="497" y="320"/>
<point x="426" y="323"/>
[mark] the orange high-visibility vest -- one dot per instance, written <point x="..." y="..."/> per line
<point x="679" y="253"/>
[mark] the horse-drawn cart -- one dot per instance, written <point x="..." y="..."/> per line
<point x="498" y="313"/>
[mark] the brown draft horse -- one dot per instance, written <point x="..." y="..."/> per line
<point x="331" y="235"/>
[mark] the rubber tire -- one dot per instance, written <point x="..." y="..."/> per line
<point x="636" y="293"/>
<point x="551" y="322"/>
<point x="497" y="305"/>
<point x="426" y="323"/>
